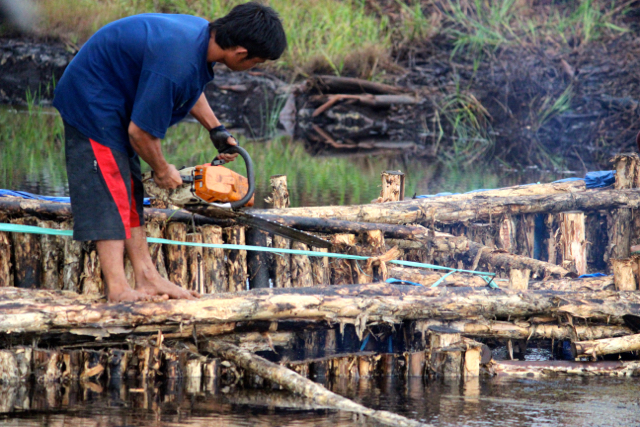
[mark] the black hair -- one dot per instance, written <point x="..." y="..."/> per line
<point x="254" y="27"/>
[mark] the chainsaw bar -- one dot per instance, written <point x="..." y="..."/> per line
<point x="269" y="226"/>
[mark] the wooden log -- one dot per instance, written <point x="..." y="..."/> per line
<point x="554" y="368"/>
<point x="257" y="262"/>
<point x="320" y="272"/>
<point x="174" y="364"/>
<point x="596" y="348"/>
<point x="392" y="187"/>
<point x="445" y="360"/>
<point x="51" y="247"/>
<point x="6" y="272"/>
<point x="506" y="239"/>
<point x="624" y="273"/>
<point x="626" y="165"/>
<point x="519" y="279"/>
<point x="155" y="229"/>
<point x="176" y="255"/>
<point x="9" y="374"/>
<point x="26" y="255"/>
<point x="236" y="260"/>
<point x="526" y="330"/>
<point x="333" y="84"/>
<point x="526" y="231"/>
<point x="91" y="281"/>
<point x="477" y="209"/>
<point x="416" y="364"/>
<point x="471" y="365"/>
<point x="216" y="278"/>
<point x="24" y="357"/>
<point x="46" y="365"/>
<point x="301" y="275"/>
<point x="279" y="199"/>
<point x="573" y="244"/>
<point x="118" y="363"/>
<point x="357" y="304"/>
<point x="72" y="362"/>
<point x="375" y="101"/>
<point x="147" y="360"/>
<point x="95" y="365"/>
<point x="298" y="384"/>
<point x="195" y="264"/>
<point x="72" y="264"/>
<point x="371" y="244"/>
<point x="342" y="270"/>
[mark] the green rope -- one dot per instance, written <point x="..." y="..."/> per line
<point x="30" y="229"/>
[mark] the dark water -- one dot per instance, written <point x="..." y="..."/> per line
<point x="484" y="402"/>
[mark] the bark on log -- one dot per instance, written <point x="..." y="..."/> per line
<point x="155" y="229"/>
<point x="301" y="276"/>
<point x="26" y="255"/>
<point x="41" y="311"/>
<point x="216" y="278"/>
<point x="320" y="269"/>
<point x="176" y="255"/>
<point x="298" y="384"/>
<point x="522" y="330"/>
<point x="72" y="263"/>
<point x="553" y="368"/>
<point x="596" y="348"/>
<point x="236" y="259"/>
<point x="52" y="247"/>
<point x="477" y="209"/>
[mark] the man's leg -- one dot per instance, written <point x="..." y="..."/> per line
<point x="148" y="279"/>
<point x="111" y="253"/>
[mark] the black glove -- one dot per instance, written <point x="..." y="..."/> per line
<point x="219" y="136"/>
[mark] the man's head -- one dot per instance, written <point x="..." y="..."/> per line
<point x="250" y="34"/>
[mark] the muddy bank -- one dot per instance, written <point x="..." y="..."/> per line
<point x="544" y="107"/>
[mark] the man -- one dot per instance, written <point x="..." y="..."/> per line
<point x="132" y="80"/>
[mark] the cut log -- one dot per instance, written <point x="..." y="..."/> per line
<point x="519" y="279"/>
<point x="155" y="229"/>
<point x="553" y="368"/>
<point x="215" y="268"/>
<point x="195" y="264"/>
<point x="596" y="348"/>
<point x="298" y="384"/>
<point x="624" y="273"/>
<point x="573" y="244"/>
<point x="52" y="247"/>
<point x="236" y="259"/>
<point x="6" y="272"/>
<point x="91" y="282"/>
<point x="476" y="209"/>
<point x="72" y="263"/>
<point x="360" y="305"/>
<point x="257" y="261"/>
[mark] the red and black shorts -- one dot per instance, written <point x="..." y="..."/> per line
<point x="105" y="187"/>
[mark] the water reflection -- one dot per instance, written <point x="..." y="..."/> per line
<point x="33" y="160"/>
<point x="478" y="402"/>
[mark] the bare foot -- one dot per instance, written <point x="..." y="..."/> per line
<point x="157" y="285"/>
<point x="129" y="295"/>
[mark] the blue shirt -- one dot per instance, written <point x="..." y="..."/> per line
<point x="149" y="69"/>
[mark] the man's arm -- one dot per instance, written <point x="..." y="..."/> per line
<point x="204" y="114"/>
<point x="148" y="148"/>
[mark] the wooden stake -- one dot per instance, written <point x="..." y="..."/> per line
<point x="51" y="257"/>
<point x="416" y="363"/>
<point x="507" y="234"/>
<point x="176" y="255"/>
<point x="6" y="272"/>
<point x="236" y="260"/>
<point x="195" y="264"/>
<point x="257" y="262"/>
<point x="342" y="271"/>
<point x="155" y="229"/>
<point x="300" y="267"/>
<point x="279" y="199"/>
<point x="392" y="187"/>
<point x="320" y="268"/>
<point x="118" y="363"/>
<point x="72" y="262"/>
<point x="91" y="282"/>
<point x="215" y="268"/>
<point x="26" y="255"/>
<point x="624" y="273"/>
<point x="519" y="279"/>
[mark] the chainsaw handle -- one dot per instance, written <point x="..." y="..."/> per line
<point x="251" y="176"/>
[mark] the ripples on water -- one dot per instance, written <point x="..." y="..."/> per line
<point x="482" y="402"/>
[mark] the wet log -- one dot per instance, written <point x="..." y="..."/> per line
<point x="525" y="330"/>
<point x="176" y="255"/>
<point x="94" y="365"/>
<point x="195" y="264"/>
<point x="72" y="263"/>
<point x="595" y="348"/>
<point x="26" y="255"/>
<point x="624" y="273"/>
<point x="257" y="262"/>
<point x="91" y="281"/>
<point x="47" y="365"/>
<point x="298" y="384"/>
<point x="216" y="278"/>
<point x="236" y="259"/>
<point x="333" y="84"/>
<point x="41" y="311"/>
<point x="118" y="363"/>
<point x="554" y="368"/>
<point x="9" y="374"/>
<point x="51" y="257"/>
<point x="476" y="209"/>
<point x="174" y="364"/>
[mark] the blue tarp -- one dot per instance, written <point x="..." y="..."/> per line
<point x="27" y="195"/>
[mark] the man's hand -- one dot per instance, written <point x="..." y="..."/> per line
<point x="221" y="139"/>
<point x="169" y="178"/>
